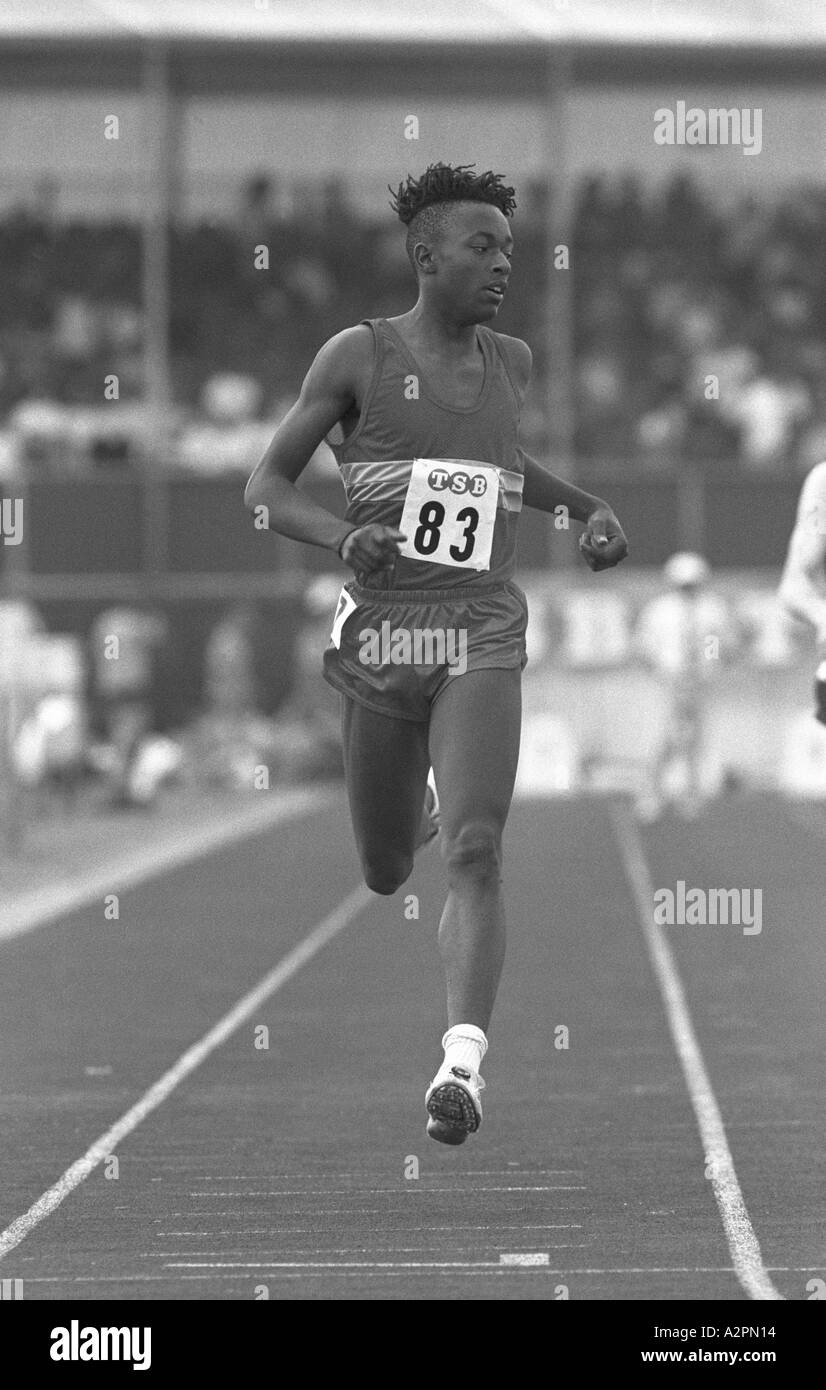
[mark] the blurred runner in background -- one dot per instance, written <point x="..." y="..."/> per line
<point x="803" y="586"/>
<point x="123" y="644"/>
<point x="19" y="623"/>
<point x="682" y="635"/>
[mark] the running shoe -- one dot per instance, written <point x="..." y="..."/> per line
<point x="453" y="1104"/>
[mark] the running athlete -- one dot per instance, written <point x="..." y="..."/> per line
<point x="422" y="413"/>
<point x="803" y="586"/>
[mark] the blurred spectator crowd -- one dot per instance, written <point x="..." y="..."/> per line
<point x="699" y="332"/>
<point x="91" y="711"/>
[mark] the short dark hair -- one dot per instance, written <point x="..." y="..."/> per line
<point x="421" y="204"/>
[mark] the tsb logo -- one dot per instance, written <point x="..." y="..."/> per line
<point x="460" y="483"/>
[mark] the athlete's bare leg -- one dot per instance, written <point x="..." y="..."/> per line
<point x="474" y="747"/>
<point x="386" y="763"/>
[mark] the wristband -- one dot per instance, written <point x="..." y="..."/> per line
<point x="343" y="539"/>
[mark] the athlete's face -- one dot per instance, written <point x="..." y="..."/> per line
<point x="471" y="260"/>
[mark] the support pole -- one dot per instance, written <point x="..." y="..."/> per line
<point x="559" y="313"/>
<point x="16" y="585"/>
<point x="159" y="145"/>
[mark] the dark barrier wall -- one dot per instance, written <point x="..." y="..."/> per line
<point x="192" y="550"/>
<point x="100" y="526"/>
<point x="178" y="677"/>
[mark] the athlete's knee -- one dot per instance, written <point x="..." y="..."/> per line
<point x="474" y="851"/>
<point x="386" y="873"/>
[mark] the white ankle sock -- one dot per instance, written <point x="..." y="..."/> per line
<point x="465" y="1045"/>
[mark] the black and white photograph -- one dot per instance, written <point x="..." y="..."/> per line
<point x="413" y="665"/>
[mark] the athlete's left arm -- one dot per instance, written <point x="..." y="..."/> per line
<point x="803" y="584"/>
<point x="603" y="543"/>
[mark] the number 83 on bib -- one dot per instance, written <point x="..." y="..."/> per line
<point x="450" y="512"/>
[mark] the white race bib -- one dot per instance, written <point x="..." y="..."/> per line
<point x="449" y="513"/>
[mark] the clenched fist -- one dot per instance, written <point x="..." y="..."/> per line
<point x="603" y="544"/>
<point x="370" y="548"/>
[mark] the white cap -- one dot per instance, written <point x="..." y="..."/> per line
<point x="686" y="569"/>
<point x="230" y="398"/>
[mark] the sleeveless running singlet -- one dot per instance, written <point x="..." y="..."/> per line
<point x="467" y="511"/>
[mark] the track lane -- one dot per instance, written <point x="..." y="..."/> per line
<point x="600" y="1135"/>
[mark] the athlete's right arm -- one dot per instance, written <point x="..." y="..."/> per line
<point x="803" y="586"/>
<point x="333" y="384"/>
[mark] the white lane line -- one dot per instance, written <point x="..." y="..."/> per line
<point x="302" y="1252"/>
<point x="368" y="1177"/>
<point x="42" y="905"/>
<point x="328" y="1211"/>
<point x="567" y="1269"/>
<point x="530" y="1259"/>
<point x="318" y="937"/>
<point x="280" y="1231"/>
<point x="333" y="1264"/>
<point x="740" y="1235"/>
<point x="376" y="1191"/>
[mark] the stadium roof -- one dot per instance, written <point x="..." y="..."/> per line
<point x="755" y="24"/>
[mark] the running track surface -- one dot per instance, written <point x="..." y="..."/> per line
<point x="291" y="1168"/>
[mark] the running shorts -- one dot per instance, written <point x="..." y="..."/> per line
<point x="395" y="650"/>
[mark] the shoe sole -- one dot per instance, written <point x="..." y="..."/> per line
<point x="443" y="1134"/>
<point x="452" y="1107"/>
